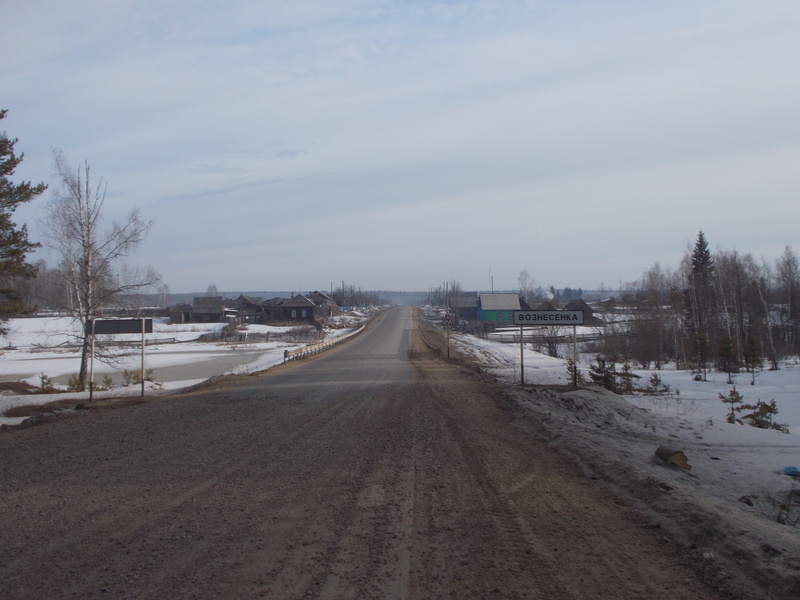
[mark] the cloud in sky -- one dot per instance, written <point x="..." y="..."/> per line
<point x="396" y="145"/>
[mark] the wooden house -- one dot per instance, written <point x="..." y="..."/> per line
<point x="208" y="309"/>
<point x="324" y="303"/>
<point x="180" y="313"/>
<point x="498" y="309"/>
<point x="588" y="313"/>
<point x="464" y="306"/>
<point x="297" y="308"/>
<point x="251" y="310"/>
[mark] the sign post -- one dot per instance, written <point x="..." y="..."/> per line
<point x="112" y="327"/>
<point x="447" y="323"/>
<point x="533" y="318"/>
<point x="91" y="368"/>
<point x="144" y="327"/>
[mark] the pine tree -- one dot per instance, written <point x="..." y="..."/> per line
<point x="762" y="414"/>
<point x="702" y="261"/>
<point x="14" y="243"/>
<point x="604" y="373"/>
<point x="728" y="359"/>
<point x="701" y="304"/>
<point x="752" y="357"/>
<point x="701" y="353"/>
<point x="734" y="399"/>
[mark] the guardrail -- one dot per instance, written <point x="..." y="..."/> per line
<point x="427" y="343"/>
<point x="305" y="351"/>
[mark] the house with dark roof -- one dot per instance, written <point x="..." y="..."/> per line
<point x="464" y="306"/>
<point x="326" y="307"/>
<point x="297" y="308"/>
<point x="250" y="309"/>
<point x="208" y="309"/>
<point x="545" y="305"/>
<point x="588" y="313"/>
<point x="320" y="298"/>
<point x="180" y="313"/>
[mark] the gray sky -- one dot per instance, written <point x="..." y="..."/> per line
<point x="400" y="144"/>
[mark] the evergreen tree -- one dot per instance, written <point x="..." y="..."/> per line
<point x="604" y="373"/>
<point x="626" y="377"/>
<point x="728" y="358"/>
<point x="752" y="357"/>
<point x="701" y="353"/>
<point x="734" y="400"/>
<point x="762" y="414"/>
<point x="701" y="287"/>
<point x="14" y="243"/>
<point x="702" y="261"/>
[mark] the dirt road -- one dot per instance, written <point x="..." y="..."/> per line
<point x="374" y="471"/>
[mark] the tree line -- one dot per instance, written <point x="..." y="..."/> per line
<point x="351" y="295"/>
<point x="724" y="310"/>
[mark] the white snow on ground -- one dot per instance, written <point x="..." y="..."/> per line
<point x="691" y="414"/>
<point x="46" y="345"/>
<point x="736" y="490"/>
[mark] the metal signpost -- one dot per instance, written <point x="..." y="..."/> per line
<point x="558" y="318"/>
<point x="113" y="327"/>
<point x="447" y="323"/>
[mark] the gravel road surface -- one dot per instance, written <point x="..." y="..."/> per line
<point x="373" y="471"/>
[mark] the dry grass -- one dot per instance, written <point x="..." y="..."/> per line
<point x="32" y="410"/>
<point x="19" y="388"/>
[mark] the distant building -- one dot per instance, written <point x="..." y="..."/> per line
<point x="320" y="299"/>
<point x="326" y="307"/>
<point x="498" y="309"/>
<point x="464" y="306"/>
<point x="247" y="309"/>
<point x="297" y="308"/>
<point x="251" y="310"/>
<point x="588" y="313"/>
<point x="546" y="305"/>
<point x="208" y="309"/>
<point x="180" y="313"/>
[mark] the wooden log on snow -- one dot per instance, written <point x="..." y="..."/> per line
<point x="673" y="457"/>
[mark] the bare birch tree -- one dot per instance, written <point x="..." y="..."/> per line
<point x="92" y="258"/>
<point x="787" y="271"/>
